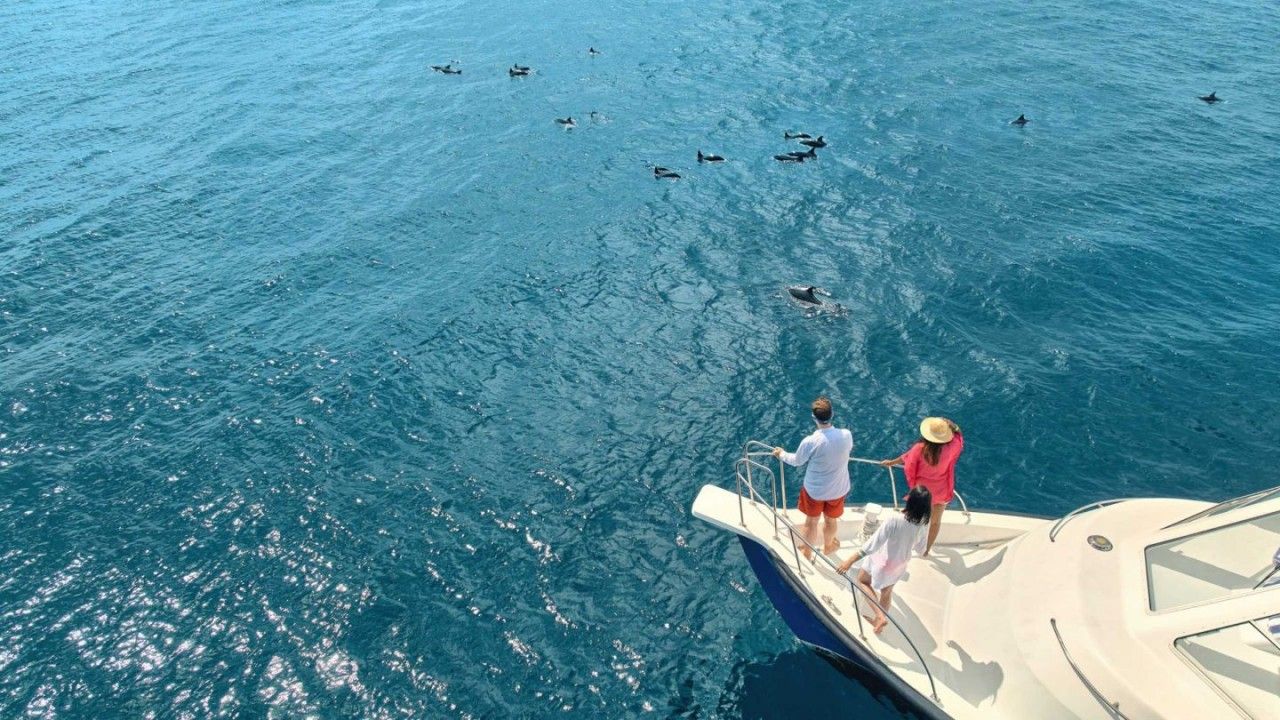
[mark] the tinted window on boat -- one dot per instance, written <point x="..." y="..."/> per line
<point x="1243" y="661"/>
<point x="1231" y="504"/>
<point x="1213" y="564"/>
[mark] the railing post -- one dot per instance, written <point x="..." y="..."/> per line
<point x="857" y="611"/>
<point x="782" y="475"/>
<point x="773" y="492"/>
<point x="742" y="517"/>
<point x="893" y="486"/>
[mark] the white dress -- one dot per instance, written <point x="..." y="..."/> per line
<point x="886" y="554"/>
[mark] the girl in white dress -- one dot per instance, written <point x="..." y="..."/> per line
<point x="889" y="550"/>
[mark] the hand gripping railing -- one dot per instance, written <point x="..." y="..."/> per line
<point x="745" y="468"/>
<point x="1057" y="527"/>
<point x="1113" y="708"/>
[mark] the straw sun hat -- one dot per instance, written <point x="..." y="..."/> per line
<point x="936" y="430"/>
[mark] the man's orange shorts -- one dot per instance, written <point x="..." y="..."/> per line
<point x="814" y="508"/>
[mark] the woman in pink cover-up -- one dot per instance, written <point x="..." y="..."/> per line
<point x="931" y="463"/>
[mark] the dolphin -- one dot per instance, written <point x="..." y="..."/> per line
<point x="1211" y="98"/>
<point x="805" y="294"/>
<point x="1022" y="120"/>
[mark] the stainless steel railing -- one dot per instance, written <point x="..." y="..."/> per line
<point x="1113" y="708"/>
<point x="746" y="469"/>
<point x="1057" y="527"/>
<point x="755" y="448"/>
<point x="893" y="484"/>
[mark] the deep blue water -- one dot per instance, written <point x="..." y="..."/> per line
<point x="330" y="385"/>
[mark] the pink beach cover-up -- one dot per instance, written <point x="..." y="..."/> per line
<point x="940" y="479"/>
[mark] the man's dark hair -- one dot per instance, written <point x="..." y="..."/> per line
<point x="822" y="409"/>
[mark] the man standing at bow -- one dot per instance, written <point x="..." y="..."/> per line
<point x="826" y="480"/>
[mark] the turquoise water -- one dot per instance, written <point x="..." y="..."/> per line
<point x="330" y="385"/>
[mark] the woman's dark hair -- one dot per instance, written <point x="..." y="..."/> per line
<point x="919" y="505"/>
<point x="931" y="451"/>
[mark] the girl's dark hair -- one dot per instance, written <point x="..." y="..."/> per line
<point x="931" y="451"/>
<point x="919" y="505"/>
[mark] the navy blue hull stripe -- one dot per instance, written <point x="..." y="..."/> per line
<point x="813" y="625"/>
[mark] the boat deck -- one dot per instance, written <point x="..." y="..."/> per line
<point x="934" y="605"/>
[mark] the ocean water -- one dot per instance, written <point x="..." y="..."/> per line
<point x="331" y="386"/>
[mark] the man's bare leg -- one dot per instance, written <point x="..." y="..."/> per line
<point x="810" y="535"/>
<point x="829" y="542"/>
<point x="935" y="524"/>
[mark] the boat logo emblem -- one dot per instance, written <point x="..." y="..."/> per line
<point x="1100" y="543"/>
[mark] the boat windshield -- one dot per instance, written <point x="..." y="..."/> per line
<point x="1214" y="563"/>
<point x="1243" y="661"/>
<point x="1231" y="504"/>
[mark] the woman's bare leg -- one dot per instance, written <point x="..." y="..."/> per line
<point x="879" y="621"/>
<point x="935" y="524"/>
<point x="886" y="598"/>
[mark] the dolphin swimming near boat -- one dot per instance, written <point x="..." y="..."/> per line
<point x="1022" y="120"/>
<point x="806" y="294"/>
<point x="810" y="154"/>
<point x="592" y="51"/>
<point x="818" y="143"/>
<point x="709" y="158"/>
<point x="447" y="69"/>
<point x="660" y="172"/>
<point x="1211" y="98"/>
<point x="567" y="122"/>
<point x="790" y="158"/>
<point x="796" y="136"/>
<point x="519" y="70"/>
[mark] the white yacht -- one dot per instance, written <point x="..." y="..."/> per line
<point x="1138" y="608"/>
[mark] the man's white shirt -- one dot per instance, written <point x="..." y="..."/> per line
<point x="827" y="452"/>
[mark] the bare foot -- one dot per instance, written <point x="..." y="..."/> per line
<point x="831" y="547"/>
<point x="879" y="626"/>
<point x="807" y="553"/>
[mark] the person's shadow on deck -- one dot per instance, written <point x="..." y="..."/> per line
<point x="973" y="681"/>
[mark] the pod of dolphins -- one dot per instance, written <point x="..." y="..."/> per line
<point x="804" y="294"/>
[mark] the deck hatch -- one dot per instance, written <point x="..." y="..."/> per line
<point x="1212" y="564"/>
<point x="1243" y="662"/>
